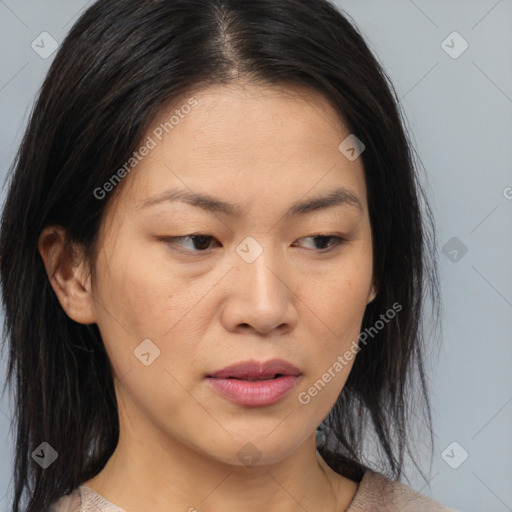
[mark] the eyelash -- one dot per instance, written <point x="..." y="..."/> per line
<point x="171" y="241"/>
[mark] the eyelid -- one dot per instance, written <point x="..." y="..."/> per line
<point x="339" y="241"/>
<point x="170" y="240"/>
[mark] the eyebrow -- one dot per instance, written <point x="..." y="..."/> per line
<point x="337" y="197"/>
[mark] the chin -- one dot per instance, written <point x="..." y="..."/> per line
<point x="258" y="449"/>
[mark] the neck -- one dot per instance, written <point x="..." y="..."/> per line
<point x="147" y="476"/>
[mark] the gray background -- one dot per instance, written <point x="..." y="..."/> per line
<point x="460" y="113"/>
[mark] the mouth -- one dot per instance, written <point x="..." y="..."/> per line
<point x="253" y="384"/>
<point x="254" y="379"/>
<point x="255" y="370"/>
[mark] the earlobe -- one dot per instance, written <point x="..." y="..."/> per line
<point x="66" y="271"/>
<point x="372" y="296"/>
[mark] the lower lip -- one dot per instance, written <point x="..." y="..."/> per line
<point x="258" y="393"/>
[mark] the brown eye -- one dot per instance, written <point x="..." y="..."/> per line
<point x="199" y="242"/>
<point x="323" y="240"/>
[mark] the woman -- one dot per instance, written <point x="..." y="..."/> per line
<point x="214" y="263"/>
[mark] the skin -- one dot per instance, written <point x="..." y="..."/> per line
<point x="262" y="148"/>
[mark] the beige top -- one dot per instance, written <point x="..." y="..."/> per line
<point x="376" y="493"/>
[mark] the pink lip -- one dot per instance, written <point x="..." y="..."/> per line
<point x="255" y="369"/>
<point x="258" y="393"/>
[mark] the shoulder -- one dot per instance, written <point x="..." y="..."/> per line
<point x="380" y="494"/>
<point x="68" y="503"/>
<point x="84" y="499"/>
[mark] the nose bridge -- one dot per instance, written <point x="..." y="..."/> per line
<point x="261" y="278"/>
<point x="257" y="295"/>
<point x="259" y="268"/>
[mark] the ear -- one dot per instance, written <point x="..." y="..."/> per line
<point x="373" y="294"/>
<point x="68" y="274"/>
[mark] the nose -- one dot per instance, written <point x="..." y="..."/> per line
<point x="260" y="297"/>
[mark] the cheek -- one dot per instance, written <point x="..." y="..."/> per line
<point x="139" y="293"/>
<point x="337" y="298"/>
<point x="140" y="300"/>
<point x="154" y="396"/>
<point x="336" y="307"/>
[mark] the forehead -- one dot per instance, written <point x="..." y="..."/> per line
<point x="242" y="114"/>
<point x="244" y="139"/>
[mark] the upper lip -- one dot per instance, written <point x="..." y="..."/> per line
<point x="256" y="369"/>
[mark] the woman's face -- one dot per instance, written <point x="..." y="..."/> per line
<point x="260" y="283"/>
